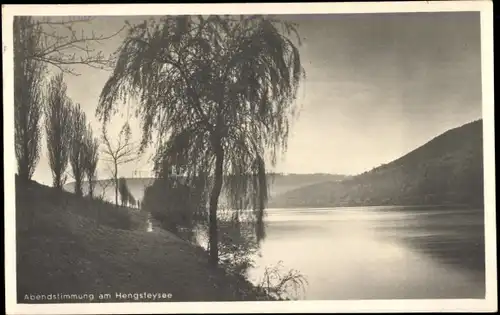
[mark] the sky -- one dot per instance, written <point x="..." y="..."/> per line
<point x="378" y="86"/>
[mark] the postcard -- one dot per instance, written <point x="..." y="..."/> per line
<point x="249" y="158"/>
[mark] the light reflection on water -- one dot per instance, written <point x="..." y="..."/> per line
<point x="379" y="253"/>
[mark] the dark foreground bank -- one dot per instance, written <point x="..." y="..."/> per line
<point x="76" y="250"/>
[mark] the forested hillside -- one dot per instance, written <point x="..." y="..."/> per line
<point x="446" y="170"/>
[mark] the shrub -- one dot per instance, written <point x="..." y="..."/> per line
<point x="281" y="285"/>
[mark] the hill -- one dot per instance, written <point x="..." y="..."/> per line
<point x="278" y="184"/>
<point x="72" y="245"/>
<point x="281" y="183"/>
<point x="446" y="170"/>
<point x="106" y="187"/>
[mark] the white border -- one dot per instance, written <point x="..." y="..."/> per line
<point x="488" y="304"/>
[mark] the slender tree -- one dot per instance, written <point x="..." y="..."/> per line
<point x="123" y="190"/>
<point x="28" y="97"/>
<point x="122" y="152"/>
<point x="131" y="199"/>
<point x="126" y="196"/>
<point x="76" y="158"/>
<point x="40" y="42"/>
<point x="220" y="92"/>
<point x="58" y="129"/>
<point x="90" y="158"/>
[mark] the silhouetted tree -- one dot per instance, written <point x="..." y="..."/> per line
<point x="76" y="158"/>
<point x="28" y="85"/>
<point x="238" y="243"/>
<point x="175" y="206"/>
<point x="131" y="199"/>
<point x="124" y="151"/>
<point x="40" y="42"/>
<point x="220" y="92"/>
<point x="125" y="194"/>
<point x="90" y="158"/>
<point x="58" y="129"/>
<point x="123" y="190"/>
<point x="104" y="185"/>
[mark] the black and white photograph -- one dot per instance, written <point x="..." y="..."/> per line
<point x="159" y="158"/>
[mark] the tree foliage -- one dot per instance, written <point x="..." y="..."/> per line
<point x="58" y="128"/>
<point x="175" y="206"/>
<point x="238" y="244"/>
<point x="76" y="158"/>
<point x="28" y="96"/>
<point x="182" y="211"/>
<point x="90" y="158"/>
<point x="220" y="92"/>
<point x="126" y="196"/>
<point x="40" y="42"/>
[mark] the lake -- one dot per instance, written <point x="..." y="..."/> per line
<point x="379" y="252"/>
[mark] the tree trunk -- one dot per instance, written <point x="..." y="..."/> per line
<point x="214" y="202"/>
<point x="116" y="184"/>
<point x="78" y="183"/>
<point x="91" y="187"/>
<point x="24" y="164"/>
<point x="57" y="179"/>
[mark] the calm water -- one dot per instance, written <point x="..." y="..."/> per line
<point x="379" y="252"/>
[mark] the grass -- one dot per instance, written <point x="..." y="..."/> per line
<point x="72" y="245"/>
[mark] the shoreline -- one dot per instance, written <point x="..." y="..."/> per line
<point x="65" y="247"/>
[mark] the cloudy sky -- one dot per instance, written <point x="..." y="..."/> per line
<point x="378" y="86"/>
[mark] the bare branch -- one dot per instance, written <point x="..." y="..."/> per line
<point x="118" y="154"/>
<point x="60" y="45"/>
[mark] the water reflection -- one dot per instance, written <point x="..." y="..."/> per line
<point x="379" y="253"/>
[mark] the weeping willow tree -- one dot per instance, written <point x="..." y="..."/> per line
<point x="220" y="94"/>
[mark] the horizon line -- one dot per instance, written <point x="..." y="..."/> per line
<point x="324" y="173"/>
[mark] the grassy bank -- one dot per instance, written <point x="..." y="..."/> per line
<point x="72" y="245"/>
